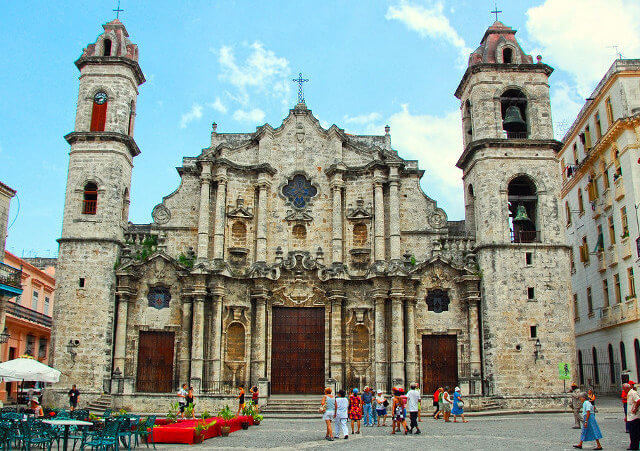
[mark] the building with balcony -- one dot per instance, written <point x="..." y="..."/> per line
<point x="600" y="195"/>
<point x="28" y="315"/>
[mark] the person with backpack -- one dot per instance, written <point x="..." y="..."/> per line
<point x="381" y="408"/>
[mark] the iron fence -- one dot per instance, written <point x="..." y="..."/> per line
<point x="601" y="377"/>
<point x="225" y="387"/>
<point x="10" y="276"/>
<point x="525" y="236"/>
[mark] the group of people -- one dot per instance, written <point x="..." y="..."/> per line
<point x="584" y="413"/>
<point x="374" y="407"/>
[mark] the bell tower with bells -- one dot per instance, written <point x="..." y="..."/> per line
<point x="511" y="191"/>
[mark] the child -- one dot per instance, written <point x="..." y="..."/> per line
<point x="255" y="397"/>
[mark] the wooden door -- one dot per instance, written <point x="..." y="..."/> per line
<point x="439" y="362"/>
<point x="297" y="350"/>
<point x="155" y="362"/>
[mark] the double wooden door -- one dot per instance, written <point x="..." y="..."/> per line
<point x="297" y="350"/>
<point x="439" y="362"/>
<point x="155" y="362"/>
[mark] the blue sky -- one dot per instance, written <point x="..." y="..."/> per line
<point x="370" y="63"/>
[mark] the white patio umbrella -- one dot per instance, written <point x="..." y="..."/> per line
<point x="30" y="370"/>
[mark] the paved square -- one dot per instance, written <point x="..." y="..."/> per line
<point x="521" y="432"/>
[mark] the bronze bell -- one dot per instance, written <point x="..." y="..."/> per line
<point x="513" y="120"/>
<point x="521" y="214"/>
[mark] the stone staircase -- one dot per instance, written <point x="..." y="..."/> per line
<point x="100" y="405"/>
<point x="292" y="407"/>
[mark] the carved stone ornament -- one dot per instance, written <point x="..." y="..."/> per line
<point x="160" y="214"/>
<point x="438" y="301"/>
<point x="299" y="191"/>
<point x="360" y="212"/>
<point x="298" y="293"/>
<point x="159" y="297"/>
<point x="438" y="219"/>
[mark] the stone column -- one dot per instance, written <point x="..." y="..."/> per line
<point x="378" y="224"/>
<point x="380" y="338"/>
<point x="197" y="342"/>
<point x="216" y="339"/>
<point x="259" y="338"/>
<point x="394" y="215"/>
<point x="221" y="207"/>
<point x="185" y="347"/>
<point x="120" y="342"/>
<point x="337" y="361"/>
<point x="261" y="219"/>
<point x="474" y="336"/>
<point x="336" y="223"/>
<point x="412" y="366"/>
<point x="203" y="218"/>
<point x="397" y="337"/>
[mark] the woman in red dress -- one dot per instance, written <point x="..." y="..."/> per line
<point x="355" y="410"/>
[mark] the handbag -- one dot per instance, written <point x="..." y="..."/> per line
<point x="385" y="403"/>
<point x="322" y="409"/>
<point x="460" y="403"/>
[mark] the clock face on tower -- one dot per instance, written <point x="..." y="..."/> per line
<point x="100" y="97"/>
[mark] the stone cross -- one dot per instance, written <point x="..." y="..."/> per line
<point x="300" y="80"/>
<point x="496" y="11"/>
<point x="118" y="10"/>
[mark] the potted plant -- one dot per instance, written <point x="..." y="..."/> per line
<point x="226" y="414"/>
<point x="199" y="430"/>
<point x="205" y="414"/>
<point x="172" y="415"/>
<point x="257" y="418"/>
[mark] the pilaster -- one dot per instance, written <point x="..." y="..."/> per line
<point x="411" y="362"/>
<point x="203" y="217"/>
<point x="381" y="338"/>
<point x="216" y="333"/>
<point x="197" y="341"/>
<point x="261" y="218"/>
<point x="221" y="205"/>
<point x="378" y="224"/>
<point x="397" y="336"/>
<point x="336" y="297"/>
<point x="337" y="186"/>
<point x="394" y="214"/>
<point x="259" y="339"/>
<point x="120" y="341"/>
<point x="185" y="341"/>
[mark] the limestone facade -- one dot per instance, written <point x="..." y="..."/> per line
<point x="300" y="218"/>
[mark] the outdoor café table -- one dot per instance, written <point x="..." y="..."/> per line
<point x="66" y="423"/>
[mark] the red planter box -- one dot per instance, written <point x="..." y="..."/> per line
<point x="184" y="431"/>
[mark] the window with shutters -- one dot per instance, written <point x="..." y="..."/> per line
<point x="616" y="288"/>
<point x="632" y="283"/>
<point x="605" y="292"/>
<point x="580" y="202"/>
<point x="567" y="209"/>
<point x="589" y="302"/>
<point x="609" y="111"/>
<point x="584" y="251"/>
<point x="612" y="230"/>
<point x="624" y="223"/>
<point x="598" y="126"/>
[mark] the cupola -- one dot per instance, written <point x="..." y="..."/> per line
<point x="499" y="46"/>
<point x="113" y="42"/>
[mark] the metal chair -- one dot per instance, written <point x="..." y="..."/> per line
<point x="35" y="433"/>
<point x="145" y="429"/>
<point x="104" y="438"/>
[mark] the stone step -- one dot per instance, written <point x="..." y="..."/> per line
<point x="296" y="415"/>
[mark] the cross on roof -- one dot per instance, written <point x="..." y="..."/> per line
<point x="118" y="10"/>
<point x="496" y="11"/>
<point x="300" y="80"/>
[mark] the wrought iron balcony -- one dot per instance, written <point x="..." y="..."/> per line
<point x="19" y="311"/>
<point x="525" y="236"/>
<point x="10" y="280"/>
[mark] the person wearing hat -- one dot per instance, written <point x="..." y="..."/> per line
<point x="633" y="416"/>
<point x="576" y="406"/>
<point x="381" y="408"/>
<point x="367" y="398"/>
<point x="590" y="429"/>
<point x="355" y="411"/>
<point x="457" y="408"/>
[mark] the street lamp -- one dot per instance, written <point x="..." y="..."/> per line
<point x="4" y="336"/>
<point x="536" y="351"/>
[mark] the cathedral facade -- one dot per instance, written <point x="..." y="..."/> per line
<point x="298" y="257"/>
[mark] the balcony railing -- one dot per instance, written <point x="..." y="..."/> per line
<point x="525" y="236"/>
<point x="10" y="276"/>
<point x="89" y="207"/>
<point x="517" y="135"/>
<point x="19" y="311"/>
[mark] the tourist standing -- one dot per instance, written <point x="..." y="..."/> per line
<point x="74" y="394"/>
<point x="576" y="406"/>
<point x="381" y="408"/>
<point x="625" y="389"/>
<point x="341" y="415"/>
<point x="367" y="407"/>
<point x="457" y="408"/>
<point x="329" y="411"/>
<point x="190" y="403"/>
<point x="255" y="397"/>
<point x="413" y="403"/>
<point x="633" y="416"/>
<point x="446" y="404"/>
<point x="590" y="428"/>
<point x="437" y="402"/>
<point x="398" y="412"/>
<point x="240" y="399"/>
<point x="591" y="397"/>
<point x="182" y="399"/>
<point x="355" y="410"/>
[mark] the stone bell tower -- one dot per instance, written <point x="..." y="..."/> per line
<point x="511" y="189"/>
<point x="96" y="210"/>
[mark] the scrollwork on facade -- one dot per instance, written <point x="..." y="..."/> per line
<point x="161" y="214"/>
<point x="298" y="293"/>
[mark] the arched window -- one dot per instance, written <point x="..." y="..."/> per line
<point x="99" y="112"/>
<point x="523" y="205"/>
<point x="507" y="55"/>
<point x="636" y="348"/>
<point x="107" y="47"/>
<point x="125" y="205"/>
<point x="235" y="342"/>
<point x="612" y="367"/>
<point x="90" y="199"/>
<point x="513" y="104"/>
<point x="299" y="231"/>
<point x="360" y="235"/>
<point x="580" y="368"/>
<point x="596" y="373"/>
<point x="239" y="234"/>
<point x="467" y="123"/>
<point x="623" y="356"/>
<point x="360" y="343"/>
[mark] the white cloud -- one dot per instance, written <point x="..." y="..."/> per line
<point x="430" y="22"/>
<point x="195" y="113"/>
<point x="362" y="119"/>
<point x="256" y="116"/>
<point x="575" y="35"/>
<point x="565" y="104"/>
<point x="262" y="71"/>
<point x="219" y="106"/>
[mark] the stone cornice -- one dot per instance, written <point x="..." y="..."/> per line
<point x="127" y="140"/>
<point x="223" y="162"/>
<point x="496" y="67"/>
<point x="112" y="60"/>
<point x="473" y="146"/>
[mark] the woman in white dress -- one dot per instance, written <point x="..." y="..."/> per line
<point x="341" y="415"/>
